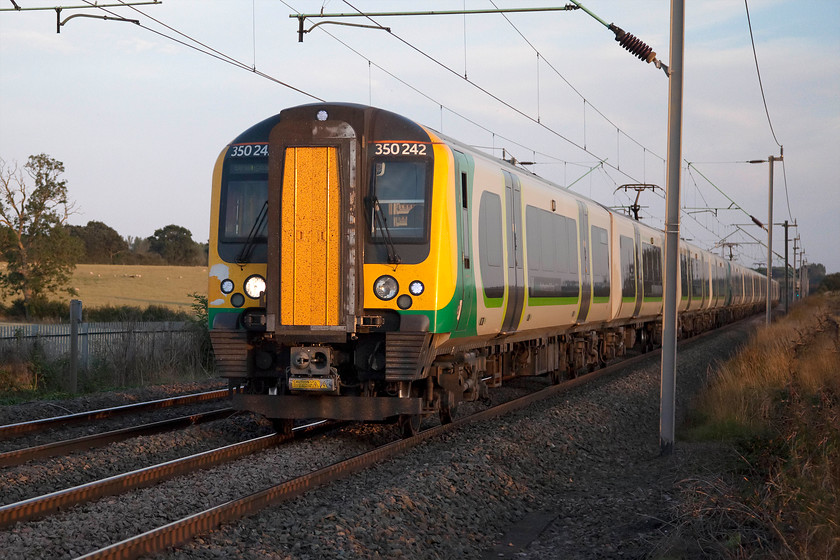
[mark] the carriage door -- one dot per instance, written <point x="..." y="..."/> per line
<point x="463" y="175"/>
<point x="515" y="272"/>
<point x="585" y="270"/>
<point x="310" y="279"/>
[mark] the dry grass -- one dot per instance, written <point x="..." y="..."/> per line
<point x="780" y="398"/>
<point x="100" y="285"/>
<point x="789" y="351"/>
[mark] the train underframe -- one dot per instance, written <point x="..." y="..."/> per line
<point x="402" y="378"/>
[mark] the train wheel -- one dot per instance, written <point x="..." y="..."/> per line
<point x="555" y="376"/>
<point x="447" y="407"/>
<point x="283" y="426"/>
<point x="409" y="425"/>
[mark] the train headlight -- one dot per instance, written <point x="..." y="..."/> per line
<point x="416" y="288"/>
<point x="227" y="286"/>
<point x="386" y="287"/>
<point x="254" y="286"/>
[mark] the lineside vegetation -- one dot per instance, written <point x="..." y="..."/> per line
<point x="125" y="294"/>
<point x="779" y="401"/>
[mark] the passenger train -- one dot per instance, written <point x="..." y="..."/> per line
<point x="365" y="267"/>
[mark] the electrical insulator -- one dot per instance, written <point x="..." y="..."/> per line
<point x="633" y="44"/>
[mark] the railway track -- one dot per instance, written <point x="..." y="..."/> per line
<point x="20" y="456"/>
<point x="21" y="428"/>
<point x="42" y="506"/>
<point x="184" y="530"/>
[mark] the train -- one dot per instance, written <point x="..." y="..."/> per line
<point x="366" y="267"/>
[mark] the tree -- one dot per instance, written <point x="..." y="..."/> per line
<point x="39" y="253"/>
<point x="175" y="244"/>
<point x="831" y="283"/>
<point x="102" y="243"/>
<point x="816" y="273"/>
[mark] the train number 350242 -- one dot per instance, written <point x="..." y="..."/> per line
<point x="399" y="149"/>
<point x="249" y="150"/>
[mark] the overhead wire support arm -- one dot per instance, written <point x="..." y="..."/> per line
<point x="302" y="17"/>
<point x="59" y="23"/>
<point x="58" y="9"/>
<point x="301" y="30"/>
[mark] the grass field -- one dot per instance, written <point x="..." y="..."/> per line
<point x="100" y="285"/>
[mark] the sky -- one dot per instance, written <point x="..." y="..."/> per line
<point x="138" y="114"/>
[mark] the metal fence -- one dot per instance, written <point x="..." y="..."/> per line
<point x="118" y="353"/>
<point x="95" y="339"/>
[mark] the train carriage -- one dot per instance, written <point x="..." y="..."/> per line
<point x="365" y="267"/>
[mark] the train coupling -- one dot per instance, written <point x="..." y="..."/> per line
<point x="310" y="371"/>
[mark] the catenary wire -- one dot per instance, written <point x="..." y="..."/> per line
<point x="205" y="48"/>
<point x="525" y="115"/>
<point x="487" y="92"/>
<point x="573" y="88"/>
<point x="521" y="113"/>
<point x="766" y="110"/>
<point x="225" y="58"/>
<point x="758" y="72"/>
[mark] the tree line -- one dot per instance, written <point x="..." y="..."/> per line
<point x="99" y="243"/>
<point x="40" y="249"/>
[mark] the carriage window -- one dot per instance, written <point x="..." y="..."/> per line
<point x="600" y="262"/>
<point x="490" y="245"/>
<point x="552" y="254"/>
<point x="628" y="267"/>
<point x="652" y="270"/>
<point x="398" y="205"/>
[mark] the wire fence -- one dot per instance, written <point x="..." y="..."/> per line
<point x="115" y="354"/>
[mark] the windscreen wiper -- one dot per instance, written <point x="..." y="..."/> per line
<point x="251" y="242"/>
<point x="382" y="225"/>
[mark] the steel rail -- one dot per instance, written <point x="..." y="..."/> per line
<point x="41" y="506"/>
<point x="184" y="530"/>
<point x="20" y="456"/>
<point x="13" y="430"/>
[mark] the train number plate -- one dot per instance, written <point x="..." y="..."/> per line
<point x="310" y="384"/>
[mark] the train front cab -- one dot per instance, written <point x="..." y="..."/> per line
<point x="359" y="269"/>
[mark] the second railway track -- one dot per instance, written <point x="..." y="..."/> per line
<point x="20" y="456"/>
<point x="20" y="428"/>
